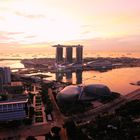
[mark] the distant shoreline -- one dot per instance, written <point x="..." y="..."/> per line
<point x="16" y="59"/>
<point x="3" y="59"/>
<point x="118" y="62"/>
<point x="98" y="64"/>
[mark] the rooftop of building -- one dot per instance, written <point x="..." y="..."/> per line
<point x="83" y="93"/>
<point x="12" y="99"/>
<point x="17" y="83"/>
<point x="65" y="46"/>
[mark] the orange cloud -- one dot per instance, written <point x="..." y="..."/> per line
<point x="31" y="36"/>
<point x="30" y="16"/>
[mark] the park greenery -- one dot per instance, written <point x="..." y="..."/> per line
<point x="46" y="99"/>
<point x="53" y="134"/>
<point x="131" y="109"/>
<point x="38" y="119"/>
<point x="31" y="96"/>
<point x="31" y="112"/>
<point x="3" y="97"/>
<point x="38" y="113"/>
<point x="106" y="99"/>
<point x="120" y="125"/>
<point x="75" y="107"/>
<point x="73" y="132"/>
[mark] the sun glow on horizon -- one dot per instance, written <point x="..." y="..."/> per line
<point x="33" y="22"/>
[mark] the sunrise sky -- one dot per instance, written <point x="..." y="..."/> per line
<point x="97" y="24"/>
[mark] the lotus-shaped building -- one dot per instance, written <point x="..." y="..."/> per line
<point x="89" y="92"/>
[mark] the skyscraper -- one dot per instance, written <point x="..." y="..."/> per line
<point x="79" y="54"/>
<point x="59" y="54"/>
<point x="5" y="77"/>
<point x="69" y="54"/>
<point x="1" y="80"/>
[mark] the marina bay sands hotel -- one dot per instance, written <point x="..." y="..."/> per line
<point x="69" y="53"/>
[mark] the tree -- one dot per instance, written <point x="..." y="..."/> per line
<point x="31" y="112"/>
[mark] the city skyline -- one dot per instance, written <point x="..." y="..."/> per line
<point x="96" y="24"/>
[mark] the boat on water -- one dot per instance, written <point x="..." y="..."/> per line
<point x="136" y="83"/>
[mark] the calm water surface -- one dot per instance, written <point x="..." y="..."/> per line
<point x="11" y="64"/>
<point x="117" y="80"/>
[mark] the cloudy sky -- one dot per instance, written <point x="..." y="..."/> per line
<point x="103" y="24"/>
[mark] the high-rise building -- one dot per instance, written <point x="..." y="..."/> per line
<point x="5" y="77"/>
<point x="69" y="54"/>
<point x="79" y="54"/>
<point x="1" y="81"/>
<point x="59" y="54"/>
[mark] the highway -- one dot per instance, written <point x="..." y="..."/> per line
<point x="109" y="107"/>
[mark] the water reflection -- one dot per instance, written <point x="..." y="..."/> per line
<point x="59" y="76"/>
<point x="75" y="78"/>
<point x="78" y="77"/>
<point x="118" y="80"/>
<point x="69" y="77"/>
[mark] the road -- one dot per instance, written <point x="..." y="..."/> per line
<point x="109" y="107"/>
<point x="58" y="116"/>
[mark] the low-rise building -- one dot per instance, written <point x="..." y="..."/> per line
<point x="13" y="109"/>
